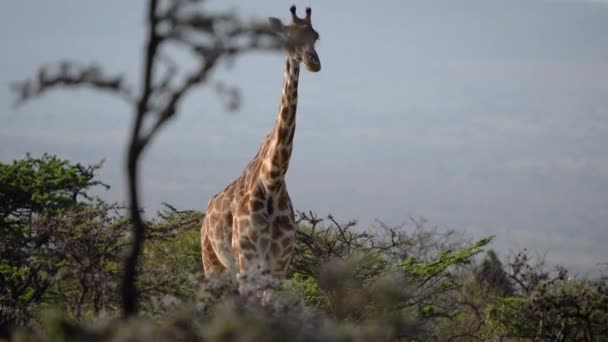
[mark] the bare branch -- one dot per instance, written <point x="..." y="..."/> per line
<point x="69" y="74"/>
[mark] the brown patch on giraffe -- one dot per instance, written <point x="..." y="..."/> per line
<point x="246" y="244"/>
<point x="280" y="266"/>
<point x="284" y="153"/>
<point x="284" y="222"/>
<point x="275" y="186"/>
<point x="275" y="173"/>
<point x="269" y="206"/>
<point x="286" y="242"/>
<point x="259" y="192"/>
<point x="283" y="133"/>
<point x="287" y="252"/>
<point x="215" y="261"/>
<point x="236" y="194"/>
<point x="285" y="113"/>
<point x="275" y="249"/>
<point x="256" y="205"/>
<point x="283" y="201"/>
<point x="228" y="218"/>
<point x="249" y="254"/>
<point x="276" y="230"/>
<point x="243" y="209"/>
<point x="253" y="235"/>
<point x="259" y="219"/>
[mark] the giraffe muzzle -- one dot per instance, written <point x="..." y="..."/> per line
<point x="312" y="62"/>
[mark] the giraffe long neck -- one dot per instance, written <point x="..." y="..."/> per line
<point x="280" y="140"/>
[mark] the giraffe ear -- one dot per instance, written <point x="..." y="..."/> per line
<point x="276" y="25"/>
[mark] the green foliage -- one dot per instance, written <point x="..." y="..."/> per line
<point x="561" y="309"/>
<point x="43" y="185"/>
<point x="58" y="249"/>
<point x="445" y="259"/>
<point x="62" y="260"/>
<point x="171" y="261"/>
<point x="89" y="242"/>
<point x="31" y="190"/>
<point x="509" y="316"/>
<point x="355" y="275"/>
<point x="306" y="287"/>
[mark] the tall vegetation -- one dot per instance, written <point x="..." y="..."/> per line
<point x="61" y="260"/>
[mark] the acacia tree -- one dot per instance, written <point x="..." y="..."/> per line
<point x="211" y="38"/>
<point x="31" y="190"/>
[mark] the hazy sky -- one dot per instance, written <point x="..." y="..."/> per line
<point x="484" y="116"/>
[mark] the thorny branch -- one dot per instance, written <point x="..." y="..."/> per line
<point x="336" y="241"/>
<point x="211" y="38"/>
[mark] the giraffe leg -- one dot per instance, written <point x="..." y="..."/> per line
<point x="211" y="263"/>
<point x="248" y="266"/>
<point x="250" y="244"/>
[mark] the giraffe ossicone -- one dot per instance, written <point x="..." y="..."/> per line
<point x="249" y="227"/>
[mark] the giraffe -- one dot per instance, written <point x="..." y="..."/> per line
<point x="249" y="227"/>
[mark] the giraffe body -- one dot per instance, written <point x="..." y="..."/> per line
<point x="249" y="227"/>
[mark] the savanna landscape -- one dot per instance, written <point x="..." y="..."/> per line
<point x="82" y="261"/>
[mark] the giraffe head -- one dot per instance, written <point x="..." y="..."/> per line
<point x="300" y="38"/>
